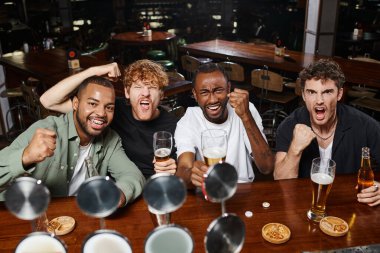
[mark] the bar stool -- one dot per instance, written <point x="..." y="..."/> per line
<point x="271" y="86"/>
<point x="18" y="107"/>
<point x="156" y="55"/>
<point x="236" y="76"/>
<point x="167" y="64"/>
<point x="369" y="105"/>
<point x="190" y="64"/>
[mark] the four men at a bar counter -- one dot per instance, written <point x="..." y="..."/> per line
<point x="323" y="128"/>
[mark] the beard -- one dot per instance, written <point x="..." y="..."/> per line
<point x="85" y="128"/>
<point x="221" y="117"/>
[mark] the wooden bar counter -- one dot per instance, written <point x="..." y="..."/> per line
<point x="289" y="201"/>
<point x="357" y="72"/>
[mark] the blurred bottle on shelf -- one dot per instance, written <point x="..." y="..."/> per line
<point x="279" y="48"/>
<point x="358" y="30"/>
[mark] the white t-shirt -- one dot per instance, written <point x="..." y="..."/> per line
<point x="325" y="153"/>
<point x="79" y="174"/>
<point x="193" y="123"/>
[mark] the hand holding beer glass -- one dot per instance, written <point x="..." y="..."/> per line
<point x="162" y="145"/>
<point x="214" y="148"/>
<point x="322" y="176"/>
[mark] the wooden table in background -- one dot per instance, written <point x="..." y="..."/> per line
<point x="135" y="39"/>
<point x="357" y="72"/>
<point x="289" y="199"/>
<point x="50" y="66"/>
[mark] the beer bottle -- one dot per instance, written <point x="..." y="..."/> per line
<point x="279" y="49"/>
<point x="365" y="174"/>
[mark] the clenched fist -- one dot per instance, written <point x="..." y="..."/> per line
<point x="239" y="101"/>
<point x="302" y="137"/>
<point x="41" y="146"/>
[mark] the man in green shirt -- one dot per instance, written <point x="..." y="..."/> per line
<point x="54" y="149"/>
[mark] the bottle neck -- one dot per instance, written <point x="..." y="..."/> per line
<point x="366" y="162"/>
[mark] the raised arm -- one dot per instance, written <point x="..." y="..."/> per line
<point x="57" y="97"/>
<point x="287" y="163"/>
<point x="264" y="158"/>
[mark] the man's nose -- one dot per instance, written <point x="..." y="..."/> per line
<point x="212" y="98"/>
<point x="320" y="98"/>
<point x="145" y="91"/>
<point x="101" y="111"/>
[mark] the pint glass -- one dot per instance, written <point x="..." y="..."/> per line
<point x="162" y="145"/>
<point x="322" y="176"/>
<point x="214" y="146"/>
<point x="214" y="149"/>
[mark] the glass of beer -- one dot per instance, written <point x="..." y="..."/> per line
<point x="214" y="149"/>
<point x="162" y="145"/>
<point x="322" y="177"/>
<point x="214" y="146"/>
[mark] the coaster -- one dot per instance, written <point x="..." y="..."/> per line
<point x="276" y="233"/>
<point x="333" y="226"/>
<point x="62" y="225"/>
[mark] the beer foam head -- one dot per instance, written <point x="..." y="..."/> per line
<point x="322" y="178"/>
<point x="106" y="242"/>
<point x="169" y="240"/>
<point x="214" y="152"/>
<point x="40" y="244"/>
<point x="162" y="152"/>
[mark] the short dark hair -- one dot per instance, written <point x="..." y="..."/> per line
<point x="95" y="80"/>
<point x="209" y="68"/>
<point x="323" y="69"/>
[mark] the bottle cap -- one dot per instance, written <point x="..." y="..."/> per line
<point x="248" y="214"/>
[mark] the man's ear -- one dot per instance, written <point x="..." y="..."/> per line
<point x="340" y="94"/>
<point x="303" y="93"/>
<point x="229" y="87"/>
<point x="126" y="92"/>
<point x="75" y="103"/>
<point x="194" y="94"/>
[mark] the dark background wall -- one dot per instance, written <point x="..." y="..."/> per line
<point x="193" y="20"/>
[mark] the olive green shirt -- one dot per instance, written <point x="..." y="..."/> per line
<point x="108" y="158"/>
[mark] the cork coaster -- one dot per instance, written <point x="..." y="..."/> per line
<point x="62" y="225"/>
<point x="333" y="226"/>
<point x="276" y="233"/>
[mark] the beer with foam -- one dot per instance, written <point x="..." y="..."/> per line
<point x="162" y="154"/>
<point x="322" y="177"/>
<point x="321" y="184"/>
<point x="214" y="155"/>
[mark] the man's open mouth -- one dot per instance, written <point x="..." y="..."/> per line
<point x="320" y="112"/>
<point x="98" y="123"/>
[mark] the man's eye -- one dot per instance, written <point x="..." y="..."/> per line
<point x="110" y="108"/>
<point x="92" y="104"/>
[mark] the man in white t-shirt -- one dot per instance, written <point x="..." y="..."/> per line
<point x="221" y="109"/>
